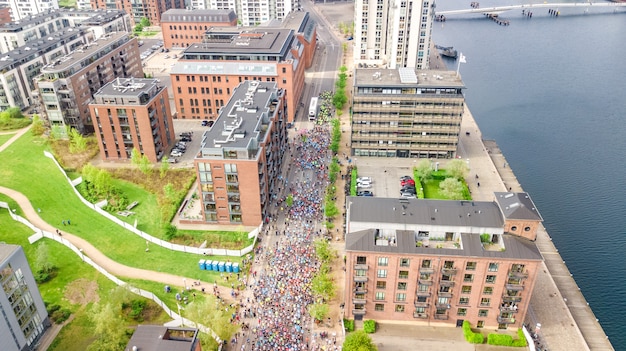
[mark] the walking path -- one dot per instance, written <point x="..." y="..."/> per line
<point x="17" y="135"/>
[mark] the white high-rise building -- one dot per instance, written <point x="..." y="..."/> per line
<point x="393" y="33"/>
<point x="24" y="8"/>
<point x="250" y="12"/>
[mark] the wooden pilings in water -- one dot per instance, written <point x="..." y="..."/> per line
<point x="496" y="19"/>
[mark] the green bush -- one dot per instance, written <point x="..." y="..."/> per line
<point x="348" y="325"/>
<point x="470" y="336"/>
<point x="485" y="238"/>
<point x="369" y="326"/>
<point x="57" y="314"/>
<point x="354" y="175"/>
<point x="499" y="339"/>
<point x="521" y="339"/>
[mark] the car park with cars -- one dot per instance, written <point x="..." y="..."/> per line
<point x="365" y="193"/>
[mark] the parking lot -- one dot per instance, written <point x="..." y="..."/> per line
<point x="194" y="126"/>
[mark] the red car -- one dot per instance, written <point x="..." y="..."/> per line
<point x="407" y="182"/>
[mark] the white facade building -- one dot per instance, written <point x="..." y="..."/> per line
<point x="393" y="33"/>
<point x="250" y="12"/>
<point x="24" y="8"/>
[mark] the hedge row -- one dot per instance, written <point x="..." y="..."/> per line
<point x="507" y="340"/>
<point x="369" y="326"/>
<point x="470" y="336"/>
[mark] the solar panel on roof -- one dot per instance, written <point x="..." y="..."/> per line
<point x="407" y="75"/>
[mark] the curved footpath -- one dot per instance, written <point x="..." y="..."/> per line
<point x="17" y="135"/>
<point x="102" y="260"/>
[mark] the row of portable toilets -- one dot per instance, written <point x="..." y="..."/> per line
<point x="217" y="266"/>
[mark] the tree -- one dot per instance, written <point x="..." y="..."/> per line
<point x="212" y="314"/>
<point x="423" y="170"/>
<point x="451" y="188"/>
<point x="138" y="28"/>
<point x="169" y="192"/>
<point x="330" y="210"/>
<point x="135" y="157"/>
<point x="457" y="168"/>
<point x="145" y="22"/>
<point x="144" y="165"/>
<point x="78" y="143"/>
<point x="359" y="341"/>
<point x="103" y="182"/>
<point x="165" y="166"/>
<point x="37" y="128"/>
<point x="323" y="250"/>
<point x="14" y="112"/>
<point x="319" y="311"/>
<point x="322" y="286"/>
<point x="43" y="268"/>
<point x="57" y="132"/>
<point x="108" y="327"/>
<point x="289" y="200"/>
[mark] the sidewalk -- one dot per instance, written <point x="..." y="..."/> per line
<point x="17" y="135"/>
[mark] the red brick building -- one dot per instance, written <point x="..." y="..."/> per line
<point x="132" y="113"/>
<point x="240" y="158"/>
<point x="182" y="27"/>
<point x="437" y="262"/>
<point x="138" y="9"/>
<point x="205" y="76"/>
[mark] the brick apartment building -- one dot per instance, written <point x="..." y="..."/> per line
<point x="182" y="27"/>
<point x="138" y="9"/>
<point x="66" y="86"/>
<point x="406" y="113"/>
<point x="132" y="113"/>
<point x="241" y="155"/>
<point x="205" y="76"/>
<point x="441" y="262"/>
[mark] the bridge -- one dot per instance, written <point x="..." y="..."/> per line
<point x="500" y="9"/>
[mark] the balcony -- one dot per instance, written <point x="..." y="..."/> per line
<point x="508" y="308"/>
<point x="360" y="266"/>
<point x="518" y="274"/>
<point x="444" y="294"/>
<point x="504" y="320"/>
<point x="446" y="283"/>
<point x="511" y="299"/>
<point x="514" y="287"/>
<point x="360" y="279"/>
<point x="426" y="282"/>
<point x="358" y="312"/>
<point x="442" y="317"/>
<point x="448" y="271"/>
<point x="420" y="315"/>
<point x="427" y="270"/>
<point x="421" y="304"/>
<point x="442" y="305"/>
<point x="422" y="293"/>
<point x="360" y="290"/>
<point x="358" y="301"/>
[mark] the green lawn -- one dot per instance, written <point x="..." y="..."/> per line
<point x="67" y="3"/>
<point x="147" y="211"/>
<point x="15" y="123"/>
<point x="12" y="204"/>
<point x="24" y="161"/>
<point x="5" y="137"/>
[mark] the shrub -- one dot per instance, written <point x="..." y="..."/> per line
<point x="521" y="339"/>
<point x="470" y="336"/>
<point x="354" y="176"/>
<point x="170" y="231"/>
<point x="485" y="238"/>
<point x="499" y="339"/>
<point x="348" y="324"/>
<point x="369" y="326"/>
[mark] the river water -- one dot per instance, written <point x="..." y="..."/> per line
<point x="550" y="91"/>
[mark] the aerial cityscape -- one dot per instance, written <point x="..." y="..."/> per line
<point x="281" y="176"/>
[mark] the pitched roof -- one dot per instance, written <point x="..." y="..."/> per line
<point x="517" y="206"/>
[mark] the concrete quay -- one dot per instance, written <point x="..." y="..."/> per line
<point x="567" y="321"/>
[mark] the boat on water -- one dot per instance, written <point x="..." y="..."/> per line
<point x="447" y="51"/>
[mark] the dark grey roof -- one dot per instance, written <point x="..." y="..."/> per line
<point x="128" y="87"/>
<point x="425" y="212"/>
<point x="376" y="77"/>
<point x="160" y="338"/>
<point x="42" y="17"/>
<point x="75" y="58"/>
<point x="98" y="17"/>
<point x="232" y="41"/>
<point x="515" y="247"/>
<point x="517" y="206"/>
<point x="198" y="16"/>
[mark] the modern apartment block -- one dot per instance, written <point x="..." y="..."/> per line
<point x="42" y="25"/>
<point x="20" y="67"/>
<point x="67" y="85"/>
<point x="25" y="8"/>
<point x="241" y="155"/>
<point x="250" y="12"/>
<point x="182" y="28"/>
<point x="132" y="113"/>
<point x="24" y="314"/>
<point x="205" y="76"/>
<point x="138" y="9"/>
<point x="161" y="338"/>
<point x="382" y="28"/>
<point x="438" y="262"/>
<point x="405" y="112"/>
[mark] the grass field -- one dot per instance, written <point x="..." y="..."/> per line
<point x="147" y="211"/>
<point x="53" y="194"/>
<point x="5" y="137"/>
<point x="67" y="3"/>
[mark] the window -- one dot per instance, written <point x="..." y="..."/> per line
<point x="379" y="307"/>
<point x="526" y="229"/>
<point x="402" y="286"/>
<point x="399" y="308"/>
<point x="360" y="272"/>
<point x="400" y="297"/>
<point x="464" y="301"/>
<point x="485" y="301"/>
<point x="380" y="284"/>
<point x="422" y="287"/>
<point x="514" y="228"/>
<point x="490" y="279"/>
<point x="403" y="274"/>
<point x="483" y="313"/>
<point x="461" y="312"/>
<point x="488" y="290"/>
<point x="493" y="267"/>
<point x="470" y="266"/>
<point x="405" y="262"/>
<point x="379" y="295"/>
<point x="448" y="265"/>
<point x="468" y="278"/>
<point x="383" y="261"/>
<point x="466" y="289"/>
<point x="426" y="264"/>
<point x="382" y="273"/>
<point x="361" y="260"/>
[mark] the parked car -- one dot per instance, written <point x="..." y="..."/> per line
<point x="365" y="193"/>
<point x="364" y="186"/>
<point x="408" y="195"/>
<point x="205" y="123"/>
<point x="405" y="177"/>
<point x="185" y="139"/>
<point x="176" y="153"/>
<point x="172" y="160"/>
<point x="364" y="182"/>
<point x="408" y="190"/>
<point x="364" y="179"/>
<point x="407" y="182"/>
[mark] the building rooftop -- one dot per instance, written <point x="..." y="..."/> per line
<point x="32" y="20"/>
<point x="403" y="77"/>
<point x="517" y="206"/>
<point x="299" y="22"/>
<point x="515" y="247"/>
<point x="478" y="214"/>
<point x="198" y="15"/>
<point x="6" y="251"/>
<point x="96" y="17"/>
<point x="37" y="48"/>
<point x="75" y="58"/>
<point x="161" y="338"/>
<point x="225" y="68"/>
<point x="132" y="91"/>
<point x="254" y="41"/>
<point x="242" y="122"/>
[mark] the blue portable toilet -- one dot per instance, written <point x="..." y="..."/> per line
<point x="235" y="267"/>
<point x="209" y="265"/>
<point x="221" y="266"/>
<point x="214" y="266"/>
<point x="229" y="267"/>
<point x="202" y="264"/>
